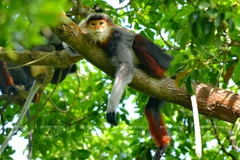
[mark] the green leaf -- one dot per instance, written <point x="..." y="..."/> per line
<point x="236" y="23"/>
<point x="207" y="26"/>
<point x="189" y="85"/>
<point x="204" y="5"/>
<point x="194" y="29"/>
<point x="84" y="154"/>
<point x="185" y="11"/>
<point x="236" y="73"/>
<point x="99" y="86"/>
<point x="193" y="17"/>
<point x="183" y="37"/>
<point x="212" y="13"/>
<point x="195" y="75"/>
<point x="231" y="24"/>
<point x="219" y="19"/>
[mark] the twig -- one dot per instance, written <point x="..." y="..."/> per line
<point x="78" y="90"/>
<point x="31" y="62"/>
<point x="30" y="137"/>
<point x="27" y="103"/>
<point x="80" y="120"/>
<point x="124" y="6"/>
<point x="54" y="105"/>
<point x="219" y="141"/>
<point x="169" y="45"/>
<point x="9" y="101"/>
<point x="34" y="116"/>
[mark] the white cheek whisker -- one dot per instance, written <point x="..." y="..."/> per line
<point x="100" y="36"/>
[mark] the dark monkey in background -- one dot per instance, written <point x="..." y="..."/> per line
<point x="126" y="50"/>
<point x="21" y="78"/>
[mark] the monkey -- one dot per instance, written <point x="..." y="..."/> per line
<point x="15" y="82"/>
<point x="26" y="75"/>
<point x="126" y="50"/>
<point x="20" y="79"/>
<point x="6" y="79"/>
<point x="11" y="79"/>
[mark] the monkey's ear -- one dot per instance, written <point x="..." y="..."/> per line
<point x="83" y="25"/>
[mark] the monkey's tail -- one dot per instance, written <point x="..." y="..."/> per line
<point x="156" y="125"/>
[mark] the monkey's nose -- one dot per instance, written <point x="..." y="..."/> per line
<point x="97" y="26"/>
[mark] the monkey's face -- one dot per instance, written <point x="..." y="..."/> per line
<point x="99" y="30"/>
<point x="98" y="26"/>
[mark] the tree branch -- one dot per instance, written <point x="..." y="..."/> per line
<point x="211" y="101"/>
<point x="58" y="59"/>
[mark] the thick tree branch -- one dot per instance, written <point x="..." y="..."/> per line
<point x="58" y="59"/>
<point x="212" y="102"/>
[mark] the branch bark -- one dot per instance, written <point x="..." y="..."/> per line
<point x="58" y="59"/>
<point x="212" y="102"/>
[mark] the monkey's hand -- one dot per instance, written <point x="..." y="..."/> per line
<point x="111" y="109"/>
<point x="160" y="152"/>
<point x="22" y="91"/>
<point x="14" y="90"/>
<point x="111" y="118"/>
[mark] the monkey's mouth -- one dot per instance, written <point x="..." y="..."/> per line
<point x="98" y="32"/>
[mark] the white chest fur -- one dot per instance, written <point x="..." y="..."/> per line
<point x="135" y="59"/>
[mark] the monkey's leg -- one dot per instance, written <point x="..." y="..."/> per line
<point x="6" y="79"/>
<point x="124" y="76"/>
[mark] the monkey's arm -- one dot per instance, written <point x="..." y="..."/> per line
<point x="121" y="57"/>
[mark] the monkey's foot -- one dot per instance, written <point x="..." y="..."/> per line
<point x="28" y="86"/>
<point x="12" y="90"/>
<point x="111" y="118"/>
<point x="160" y="152"/>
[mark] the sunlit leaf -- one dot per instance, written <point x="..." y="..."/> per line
<point x="236" y="72"/>
<point x="180" y="77"/>
<point x="189" y="85"/>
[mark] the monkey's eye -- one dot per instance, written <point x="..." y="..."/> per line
<point x="92" y="23"/>
<point x="101" y="23"/>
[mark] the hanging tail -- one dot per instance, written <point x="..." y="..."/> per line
<point x="156" y="125"/>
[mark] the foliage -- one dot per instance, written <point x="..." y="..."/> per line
<point x="203" y="37"/>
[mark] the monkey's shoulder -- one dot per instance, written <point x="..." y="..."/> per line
<point x="123" y="35"/>
<point x="122" y="32"/>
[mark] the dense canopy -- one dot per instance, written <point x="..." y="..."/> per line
<point x="69" y="121"/>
